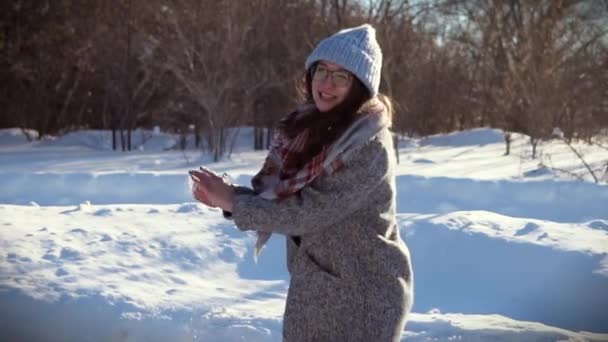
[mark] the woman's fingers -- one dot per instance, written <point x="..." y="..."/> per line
<point x="208" y="187"/>
<point x="210" y="172"/>
<point x="194" y="177"/>
<point x="197" y="174"/>
<point x="201" y="178"/>
<point x="202" y="194"/>
<point x="202" y="184"/>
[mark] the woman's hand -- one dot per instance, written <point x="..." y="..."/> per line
<point x="211" y="189"/>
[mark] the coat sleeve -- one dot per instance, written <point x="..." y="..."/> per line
<point x="314" y="208"/>
<point x="238" y="190"/>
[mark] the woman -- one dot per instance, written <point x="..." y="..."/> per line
<point x="328" y="185"/>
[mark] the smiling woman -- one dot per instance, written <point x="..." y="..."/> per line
<point x="330" y="85"/>
<point x="328" y="186"/>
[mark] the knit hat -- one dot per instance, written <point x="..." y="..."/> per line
<point x="356" y="50"/>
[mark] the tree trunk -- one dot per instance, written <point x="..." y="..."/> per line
<point x="197" y="135"/>
<point x="123" y="143"/>
<point x="534" y="142"/>
<point x="129" y="130"/>
<point x="508" y="143"/>
<point x="113" y="138"/>
<point x="268" y="138"/>
<point x="258" y="138"/>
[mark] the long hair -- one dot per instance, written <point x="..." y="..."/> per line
<point x="326" y="127"/>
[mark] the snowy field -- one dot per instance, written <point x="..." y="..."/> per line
<point x="97" y="245"/>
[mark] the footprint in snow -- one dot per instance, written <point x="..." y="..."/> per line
<point x="188" y="208"/>
<point x="60" y="272"/>
<point x="599" y="225"/>
<point x="543" y="171"/>
<point x="68" y="253"/>
<point x="543" y="236"/>
<point x="423" y="161"/>
<point x="78" y="231"/>
<point x="177" y="280"/>
<point x="49" y="244"/>
<point x="70" y="279"/>
<point x="49" y="256"/>
<point x="106" y="237"/>
<point x="83" y="207"/>
<point x="103" y="212"/>
<point x="529" y="228"/>
<point x="11" y="257"/>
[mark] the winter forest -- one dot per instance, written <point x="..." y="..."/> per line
<point x="200" y="67"/>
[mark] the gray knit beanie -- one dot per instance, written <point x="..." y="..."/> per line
<point x="356" y="50"/>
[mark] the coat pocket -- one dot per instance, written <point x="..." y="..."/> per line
<point x="317" y="307"/>
<point x="307" y="264"/>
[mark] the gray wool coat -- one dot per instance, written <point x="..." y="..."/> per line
<point x="351" y="276"/>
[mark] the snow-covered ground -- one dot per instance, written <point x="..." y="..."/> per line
<point x="97" y="245"/>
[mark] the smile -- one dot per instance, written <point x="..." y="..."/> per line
<point x="326" y="96"/>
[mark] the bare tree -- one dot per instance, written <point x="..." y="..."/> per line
<point x="524" y="47"/>
<point x="201" y="66"/>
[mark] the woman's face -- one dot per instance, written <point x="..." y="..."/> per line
<point x="330" y="85"/>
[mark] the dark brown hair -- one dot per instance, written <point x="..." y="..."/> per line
<point x="325" y="127"/>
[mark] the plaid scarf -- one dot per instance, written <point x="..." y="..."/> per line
<point x="277" y="180"/>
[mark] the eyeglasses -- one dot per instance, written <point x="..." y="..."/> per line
<point x="340" y="78"/>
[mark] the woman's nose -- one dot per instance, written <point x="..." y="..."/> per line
<point x="327" y="83"/>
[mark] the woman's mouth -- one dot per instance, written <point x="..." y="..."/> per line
<point x="326" y="97"/>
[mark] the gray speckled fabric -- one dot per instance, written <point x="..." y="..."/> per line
<point x="351" y="277"/>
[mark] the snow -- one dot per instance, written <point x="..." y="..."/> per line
<point x="101" y="245"/>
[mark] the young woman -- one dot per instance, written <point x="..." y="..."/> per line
<point x="328" y="185"/>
